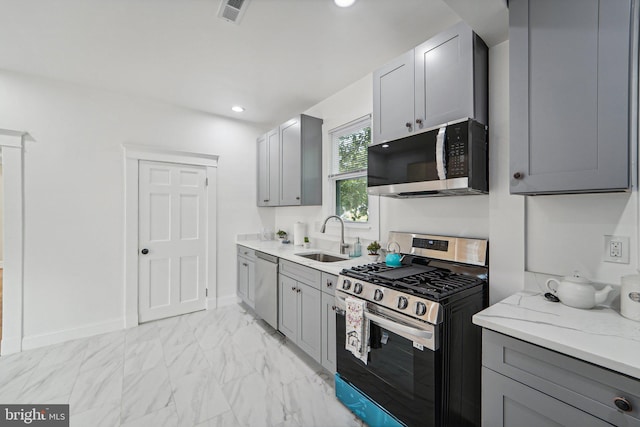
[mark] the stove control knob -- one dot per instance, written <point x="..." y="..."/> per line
<point x="421" y="309"/>
<point x="377" y="295"/>
<point x="357" y="288"/>
<point x="346" y="284"/>
<point x="403" y="302"/>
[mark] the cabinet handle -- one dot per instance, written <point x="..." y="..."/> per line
<point x="518" y="175"/>
<point x="419" y="122"/>
<point x="293" y="288"/>
<point x="297" y="198"/>
<point x="333" y="307"/>
<point x="266" y="200"/>
<point x="622" y="404"/>
<point x="329" y="284"/>
<point x="299" y="290"/>
<point x="245" y="264"/>
<point x="408" y="125"/>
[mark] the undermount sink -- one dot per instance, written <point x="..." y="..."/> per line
<point x="321" y="257"/>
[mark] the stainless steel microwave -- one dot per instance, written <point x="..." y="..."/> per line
<point x="451" y="159"/>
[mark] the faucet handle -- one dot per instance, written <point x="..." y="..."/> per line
<point x="344" y="247"/>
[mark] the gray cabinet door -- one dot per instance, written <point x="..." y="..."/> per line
<point x="328" y="358"/>
<point x="263" y="171"/>
<point x="251" y="283"/>
<point x="310" y="302"/>
<point x="291" y="163"/>
<point x="393" y="99"/>
<point x="273" y="178"/>
<point x="243" y="278"/>
<point x="508" y="403"/>
<point x="569" y="73"/>
<point x="288" y="307"/>
<point x="444" y="77"/>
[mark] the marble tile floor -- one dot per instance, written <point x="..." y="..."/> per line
<point x="211" y="368"/>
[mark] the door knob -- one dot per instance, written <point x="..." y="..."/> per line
<point x="145" y="251"/>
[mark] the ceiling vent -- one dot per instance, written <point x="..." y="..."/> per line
<point x="233" y="10"/>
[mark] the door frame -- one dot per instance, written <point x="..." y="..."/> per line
<point x="133" y="153"/>
<point x="12" y="145"/>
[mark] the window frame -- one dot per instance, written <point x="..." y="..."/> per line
<point x="334" y="178"/>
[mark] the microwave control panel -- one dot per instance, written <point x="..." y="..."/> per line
<point x="457" y="151"/>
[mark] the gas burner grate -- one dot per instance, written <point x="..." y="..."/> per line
<point x="433" y="284"/>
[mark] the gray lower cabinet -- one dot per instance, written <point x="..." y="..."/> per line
<point x="290" y="164"/>
<point x="442" y="80"/>
<point x="509" y="403"/>
<point x="526" y="385"/>
<point x="246" y="275"/>
<point x="571" y="64"/>
<point x="299" y="308"/>
<point x="328" y="330"/>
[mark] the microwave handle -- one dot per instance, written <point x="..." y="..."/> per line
<point x="441" y="166"/>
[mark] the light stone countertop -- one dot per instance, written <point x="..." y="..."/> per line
<point x="288" y="251"/>
<point x="600" y="336"/>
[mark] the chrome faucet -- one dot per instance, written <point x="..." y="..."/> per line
<point x="343" y="246"/>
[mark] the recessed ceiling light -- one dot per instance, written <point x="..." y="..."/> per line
<point x="237" y="108"/>
<point x="344" y="3"/>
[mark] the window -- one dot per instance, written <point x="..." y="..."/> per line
<point x="349" y="170"/>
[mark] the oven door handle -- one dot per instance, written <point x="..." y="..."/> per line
<point x="390" y="324"/>
<point x="398" y="328"/>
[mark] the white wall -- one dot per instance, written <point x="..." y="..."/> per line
<point x="74" y="193"/>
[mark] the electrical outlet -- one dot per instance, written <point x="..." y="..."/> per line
<point x="616" y="249"/>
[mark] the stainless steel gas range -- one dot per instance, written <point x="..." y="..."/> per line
<point x="423" y="365"/>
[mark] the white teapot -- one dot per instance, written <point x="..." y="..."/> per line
<point x="576" y="291"/>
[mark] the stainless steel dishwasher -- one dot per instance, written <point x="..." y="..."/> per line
<point x="266" y="293"/>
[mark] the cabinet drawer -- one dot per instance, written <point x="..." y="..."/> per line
<point x="508" y="403"/>
<point x="250" y="254"/>
<point x="301" y="273"/>
<point x="329" y="282"/>
<point x="586" y="386"/>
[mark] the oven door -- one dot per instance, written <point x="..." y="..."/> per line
<point x="402" y="375"/>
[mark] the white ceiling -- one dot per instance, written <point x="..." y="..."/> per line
<point x="284" y="57"/>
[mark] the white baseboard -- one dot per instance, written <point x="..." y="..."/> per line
<point x="9" y="346"/>
<point x="42" y="340"/>
<point x="228" y="300"/>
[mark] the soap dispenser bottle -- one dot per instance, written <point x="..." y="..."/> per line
<point x="357" y="248"/>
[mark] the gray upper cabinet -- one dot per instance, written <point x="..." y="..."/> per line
<point x="290" y="164"/>
<point x="393" y="94"/>
<point x="570" y="68"/>
<point x="451" y="77"/>
<point x="442" y="80"/>
<point x="269" y="169"/>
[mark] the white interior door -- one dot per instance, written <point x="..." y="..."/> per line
<point x="172" y="239"/>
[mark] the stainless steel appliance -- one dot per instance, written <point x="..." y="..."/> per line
<point x="266" y="292"/>
<point x="451" y="159"/>
<point x="424" y="363"/>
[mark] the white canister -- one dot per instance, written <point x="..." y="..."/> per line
<point x="630" y="297"/>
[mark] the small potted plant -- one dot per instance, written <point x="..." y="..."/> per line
<point x="373" y="249"/>
<point x="307" y="243"/>
<point x="282" y="235"/>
